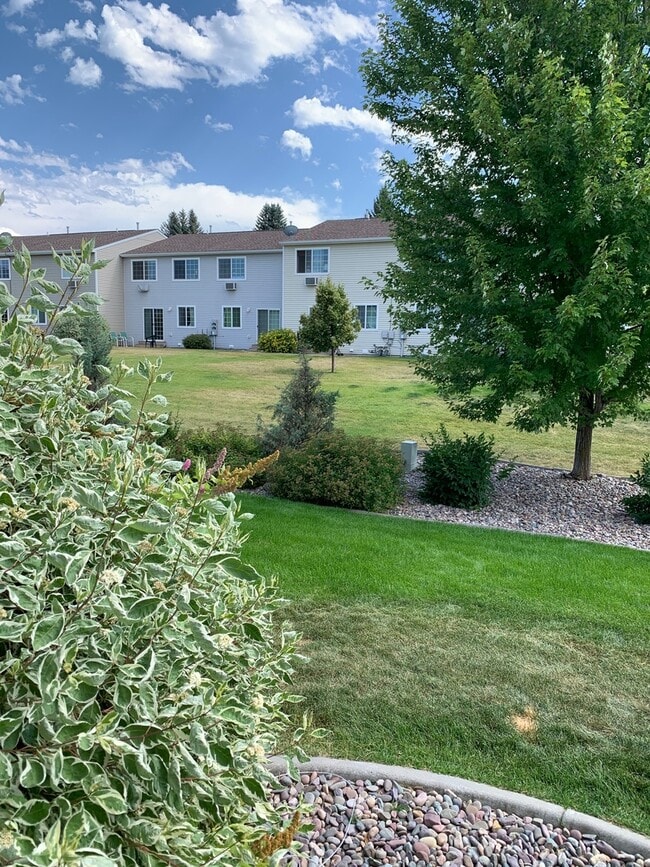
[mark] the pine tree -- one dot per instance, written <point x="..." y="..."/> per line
<point x="181" y="223"/>
<point x="270" y="217"/>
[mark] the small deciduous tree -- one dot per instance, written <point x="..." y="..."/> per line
<point x="331" y="323"/>
<point x="270" y="217"/>
<point x="523" y="221"/>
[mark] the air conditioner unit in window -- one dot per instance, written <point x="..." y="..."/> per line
<point x="311" y="281"/>
<point x="231" y="286"/>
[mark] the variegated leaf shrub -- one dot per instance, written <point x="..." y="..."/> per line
<point x="141" y="678"/>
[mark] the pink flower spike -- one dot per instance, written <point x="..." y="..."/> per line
<point x="186" y="465"/>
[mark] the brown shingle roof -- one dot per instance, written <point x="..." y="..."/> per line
<point x="214" y="242"/>
<point x="360" y="229"/>
<point x="66" y="241"/>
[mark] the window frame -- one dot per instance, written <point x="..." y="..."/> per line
<point x="309" y="266"/>
<point x="186" y="259"/>
<point x="186" y="307"/>
<point x="5" y="260"/>
<point x="230" y="307"/>
<point x="144" y="278"/>
<point x="232" y="278"/>
<point x="364" y="320"/>
<point x="268" y="311"/>
<point x="153" y="322"/>
<point x="41" y="316"/>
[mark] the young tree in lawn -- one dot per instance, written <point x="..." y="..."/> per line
<point x="523" y="221"/>
<point x="332" y="321"/>
<point x="270" y="217"/>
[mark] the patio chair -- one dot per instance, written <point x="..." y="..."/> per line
<point x="123" y="339"/>
<point x="115" y="340"/>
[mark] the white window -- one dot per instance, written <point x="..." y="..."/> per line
<point x="313" y="261"/>
<point x="267" y="320"/>
<point x="144" y="269"/>
<point x="40" y="316"/>
<point x="232" y="268"/>
<point x="232" y="317"/>
<point x="367" y="314"/>
<point x="186" y="269"/>
<point x="186" y="317"/>
<point x="153" y="323"/>
<point x="5" y="271"/>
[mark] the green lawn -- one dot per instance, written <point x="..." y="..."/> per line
<point x="427" y="641"/>
<point x="377" y="396"/>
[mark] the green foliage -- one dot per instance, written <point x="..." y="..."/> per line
<point x="523" y="222"/>
<point x="181" y="223"/>
<point x="334" y="469"/>
<point x="638" y="505"/>
<point x="458" y="472"/>
<point x="270" y="217"/>
<point x="303" y="411"/>
<point x="141" y="677"/>
<point x="382" y="205"/>
<point x="331" y="323"/>
<point x="279" y="340"/>
<point x="91" y="331"/>
<point x="203" y="445"/>
<point x="197" y="341"/>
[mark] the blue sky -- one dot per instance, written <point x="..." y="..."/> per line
<point x="114" y="114"/>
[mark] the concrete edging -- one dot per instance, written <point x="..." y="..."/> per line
<point x="622" y="839"/>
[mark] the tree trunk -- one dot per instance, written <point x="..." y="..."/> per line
<point x="591" y="406"/>
<point x="333" y="357"/>
<point x="582" y="454"/>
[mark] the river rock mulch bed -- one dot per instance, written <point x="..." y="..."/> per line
<point x="364" y="823"/>
<point x="539" y="500"/>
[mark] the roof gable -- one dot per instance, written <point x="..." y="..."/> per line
<point x="66" y="241"/>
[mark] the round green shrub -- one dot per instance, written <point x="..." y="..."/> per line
<point x="142" y="679"/>
<point x="336" y="469"/>
<point x="91" y="331"/>
<point x="204" y="444"/>
<point x="197" y="341"/>
<point x="280" y="340"/>
<point x="458" y="472"/>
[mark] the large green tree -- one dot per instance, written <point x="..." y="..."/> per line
<point x="270" y="217"/>
<point x="523" y="220"/>
<point x="332" y="321"/>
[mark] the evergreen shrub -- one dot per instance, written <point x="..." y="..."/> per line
<point x="279" y="340"/>
<point x="142" y="680"/>
<point x="637" y="506"/>
<point x="197" y="341"/>
<point x="335" y="469"/>
<point x="303" y="410"/>
<point x="89" y="329"/>
<point x="459" y="472"/>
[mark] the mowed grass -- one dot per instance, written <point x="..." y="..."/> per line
<point x="377" y="396"/>
<point x="520" y="661"/>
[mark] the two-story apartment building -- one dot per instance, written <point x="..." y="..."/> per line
<point x="233" y="286"/>
<point x="237" y="285"/>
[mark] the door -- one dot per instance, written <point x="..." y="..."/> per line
<point x="153" y="323"/>
<point x="267" y="320"/>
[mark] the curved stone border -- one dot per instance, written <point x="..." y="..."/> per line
<point x="622" y="839"/>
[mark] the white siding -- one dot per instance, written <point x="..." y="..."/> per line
<point x="110" y="286"/>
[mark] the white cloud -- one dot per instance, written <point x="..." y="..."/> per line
<point x="313" y="112"/>
<point x="67" y="55"/>
<point x="296" y="141"/>
<point x="217" y="126"/>
<point x="85" y="6"/>
<point x="85" y="73"/>
<point x="336" y="184"/>
<point x="46" y="193"/>
<point x="158" y="48"/>
<point x="13" y="91"/>
<point x="17" y="7"/>
<point x="86" y="32"/>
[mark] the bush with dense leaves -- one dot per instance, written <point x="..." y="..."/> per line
<point x="458" y="472"/>
<point x="303" y="410"/>
<point x="280" y="340"/>
<point x="204" y="444"/>
<point x="335" y="469"/>
<point x="142" y="680"/>
<point x="637" y="506"/>
<point x="197" y="341"/>
<point x="90" y="330"/>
